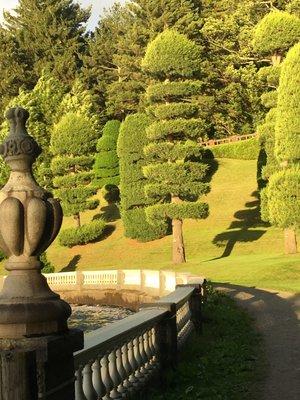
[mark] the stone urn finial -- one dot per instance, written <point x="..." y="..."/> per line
<point x="30" y="220"/>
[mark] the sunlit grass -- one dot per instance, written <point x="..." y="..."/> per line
<point x="252" y="252"/>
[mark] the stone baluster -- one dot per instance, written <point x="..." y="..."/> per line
<point x="106" y="378"/>
<point x="133" y="363"/>
<point x="97" y="378"/>
<point x="148" y="352"/>
<point x="88" y="387"/>
<point x="127" y="367"/>
<point x="122" y="388"/>
<point x="144" y="369"/>
<point x="115" y="376"/>
<point x="138" y="373"/>
<point x="79" y="394"/>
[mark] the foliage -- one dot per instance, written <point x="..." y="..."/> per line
<point x="131" y="141"/>
<point x="171" y="55"/>
<point x="287" y="129"/>
<point x="86" y="233"/>
<point x="178" y="178"/>
<point x="242" y="150"/>
<point x="283" y="198"/>
<point x="42" y="103"/>
<point x="79" y="101"/>
<point x="47" y="266"/>
<point x="73" y="136"/>
<point x="50" y="34"/>
<point x="228" y="338"/>
<point x="276" y="33"/>
<point x="106" y="167"/>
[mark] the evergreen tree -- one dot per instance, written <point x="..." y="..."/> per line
<point x="231" y="65"/>
<point x="275" y="34"/>
<point x="282" y="192"/>
<point x="116" y="50"/>
<point x="42" y="103"/>
<point x="73" y="145"/>
<point x="99" y="69"/>
<point x="175" y="182"/>
<point x="106" y="167"/>
<point x="132" y="139"/>
<point x="80" y="101"/>
<point x="51" y="35"/>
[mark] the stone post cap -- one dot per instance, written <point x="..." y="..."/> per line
<point x="18" y="143"/>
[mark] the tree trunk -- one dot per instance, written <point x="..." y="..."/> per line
<point x="276" y="59"/>
<point x="290" y="241"/>
<point x="178" y="244"/>
<point x="77" y="219"/>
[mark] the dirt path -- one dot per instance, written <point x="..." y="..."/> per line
<point x="277" y="317"/>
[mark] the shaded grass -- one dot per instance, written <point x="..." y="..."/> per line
<point x="225" y="363"/>
<point x="256" y="250"/>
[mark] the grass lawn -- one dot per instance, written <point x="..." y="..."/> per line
<point x="232" y="245"/>
<point x="225" y="362"/>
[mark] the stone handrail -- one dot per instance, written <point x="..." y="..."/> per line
<point x="121" y="359"/>
<point x="230" y="139"/>
<point x="153" y="282"/>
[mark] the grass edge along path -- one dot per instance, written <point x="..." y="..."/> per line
<point x="226" y="362"/>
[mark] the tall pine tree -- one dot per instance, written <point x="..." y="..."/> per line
<point x="50" y="34"/>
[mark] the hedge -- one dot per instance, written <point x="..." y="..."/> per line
<point x="131" y="142"/>
<point x="243" y="150"/>
<point x="85" y="234"/>
<point x="106" y="166"/>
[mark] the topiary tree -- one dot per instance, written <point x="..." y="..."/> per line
<point x="106" y="167"/>
<point x="283" y="190"/>
<point x="132" y="139"/>
<point x="276" y="33"/>
<point x="73" y="144"/>
<point x="175" y="182"/>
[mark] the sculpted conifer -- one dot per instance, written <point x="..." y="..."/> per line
<point x="283" y="190"/>
<point x="175" y="182"/>
<point x="106" y="167"/>
<point x="73" y="146"/>
<point x="132" y="139"/>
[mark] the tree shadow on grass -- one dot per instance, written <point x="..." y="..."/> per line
<point x="110" y="213"/>
<point x="72" y="265"/>
<point x="243" y="228"/>
<point x="277" y="319"/>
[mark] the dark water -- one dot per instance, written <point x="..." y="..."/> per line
<point x="89" y="318"/>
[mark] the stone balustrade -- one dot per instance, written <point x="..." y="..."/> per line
<point x="121" y="359"/>
<point x="124" y="287"/>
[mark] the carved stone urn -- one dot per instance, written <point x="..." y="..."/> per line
<point x="30" y="219"/>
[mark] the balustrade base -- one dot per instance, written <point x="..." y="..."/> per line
<point x="39" y="368"/>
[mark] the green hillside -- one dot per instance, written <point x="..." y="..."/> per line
<point x="231" y="245"/>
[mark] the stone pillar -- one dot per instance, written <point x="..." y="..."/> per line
<point x="32" y="316"/>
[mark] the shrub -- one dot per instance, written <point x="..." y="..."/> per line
<point x="84" y="234"/>
<point x="73" y="137"/>
<point x="106" y="167"/>
<point x="243" y="150"/>
<point x="287" y="128"/>
<point x="47" y="266"/>
<point x="283" y="198"/>
<point x="137" y="227"/>
<point x="131" y="142"/>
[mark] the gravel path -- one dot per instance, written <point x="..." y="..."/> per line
<point x="277" y="317"/>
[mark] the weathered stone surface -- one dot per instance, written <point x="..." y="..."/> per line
<point x="30" y="219"/>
